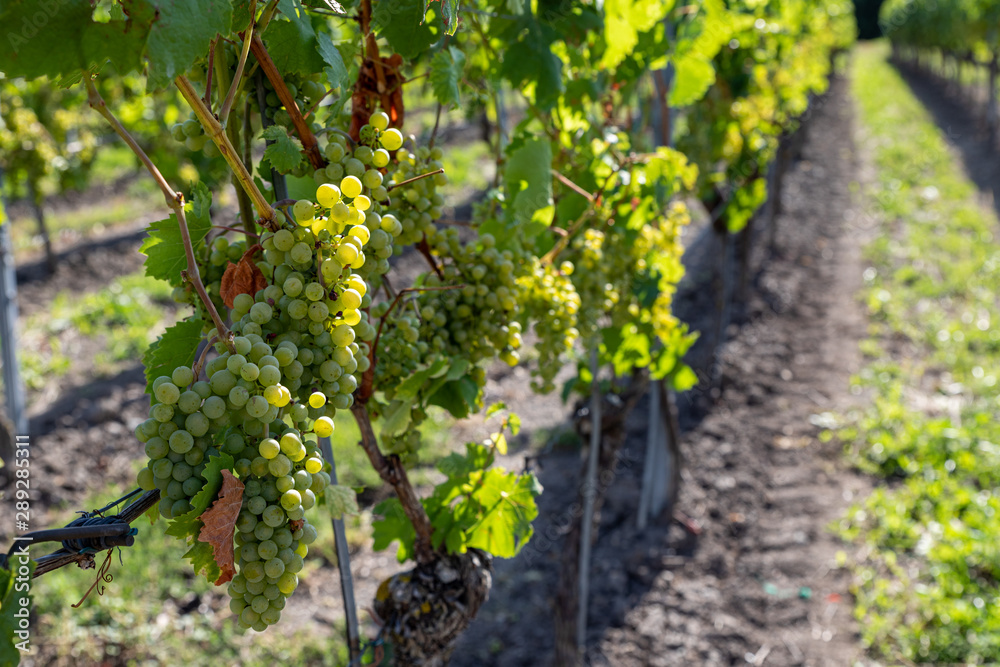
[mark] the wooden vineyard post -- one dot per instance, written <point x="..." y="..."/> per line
<point x="590" y="493"/>
<point x="653" y="441"/>
<point x="344" y="565"/>
<point x="661" y="474"/>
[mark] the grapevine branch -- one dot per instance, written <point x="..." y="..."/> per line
<point x="175" y="200"/>
<point x="234" y="86"/>
<point x="391" y="471"/>
<point x="218" y="135"/>
<point x="415" y="178"/>
<point x="425" y="250"/>
<point x="309" y="143"/>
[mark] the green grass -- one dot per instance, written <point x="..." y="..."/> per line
<point x="123" y="318"/>
<point x="139" y="620"/>
<point x="927" y="571"/>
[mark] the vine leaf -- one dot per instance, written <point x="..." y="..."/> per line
<point x="529" y="178"/>
<point x="242" y="278"/>
<point x="509" y="503"/>
<point x="68" y="40"/>
<point x="529" y="59"/>
<point x="449" y="14"/>
<point x="285" y="153"/>
<point x="219" y="524"/>
<point x="342" y="500"/>
<point x="292" y="42"/>
<point x="175" y="347"/>
<point x="336" y="70"/>
<point x="164" y="247"/>
<point x="446" y="72"/>
<point x="402" y="24"/>
<point x="182" y="32"/>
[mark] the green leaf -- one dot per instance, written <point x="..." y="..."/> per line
<point x="175" y="347"/>
<point x="164" y="246"/>
<point x="336" y="71"/>
<point x="59" y="38"/>
<point x="393" y="526"/>
<point x="342" y="500"/>
<point x="14" y="589"/>
<point x="693" y="75"/>
<point x="529" y="59"/>
<point x="446" y="73"/>
<point x="402" y="24"/>
<point x="459" y="397"/>
<point x="509" y="501"/>
<point x="181" y="34"/>
<point x="396" y="417"/>
<point x="284" y="153"/>
<point x="449" y="13"/>
<point x="623" y="21"/>
<point x="457" y="467"/>
<point x="188" y="525"/>
<point x="528" y="176"/>
<point x="500" y="442"/>
<point x="292" y="42"/>
<point x="683" y="378"/>
<point x="410" y="388"/>
<point x="241" y="15"/>
<point x="514" y="424"/>
<point x="495" y="408"/>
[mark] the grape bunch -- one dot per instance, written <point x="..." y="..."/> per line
<point x="475" y="319"/>
<point x="300" y="347"/>
<point x="417" y="205"/>
<point x="550" y="301"/>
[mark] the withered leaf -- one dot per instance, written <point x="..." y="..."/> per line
<point x="220" y="525"/>
<point x="242" y="278"/>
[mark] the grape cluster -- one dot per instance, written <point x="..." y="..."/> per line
<point x="550" y="301"/>
<point x="473" y="320"/>
<point x="417" y="204"/>
<point x="299" y="349"/>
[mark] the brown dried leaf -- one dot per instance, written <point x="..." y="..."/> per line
<point x="242" y="278"/>
<point x="220" y="525"/>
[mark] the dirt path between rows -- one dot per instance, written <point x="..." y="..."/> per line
<point x="759" y="584"/>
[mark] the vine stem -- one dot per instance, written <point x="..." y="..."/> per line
<point x="309" y="143"/>
<point x="218" y="135"/>
<point x="175" y="200"/>
<point x="572" y="186"/>
<point x="415" y="178"/>
<point x="390" y="470"/>
<point x="227" y="105"/>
